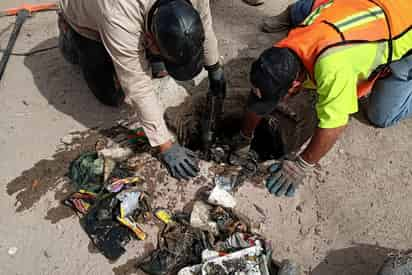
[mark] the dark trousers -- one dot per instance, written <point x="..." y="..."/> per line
<point x="95" y="62"/>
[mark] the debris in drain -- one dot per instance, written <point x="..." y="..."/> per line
<point x="235" y="251"/>
<point x="88" y="172"/>
<point x="179" y="245"/>
<point x="118" y="184"/>
<point x="281" y="133"/>
<point x="81" y="201"/>
<point x="219" y="196"/>
<point x="163" y="215"/>
<point x="108" y="199"/>
<point x="236" y="241"/>
<point x="200" y="218"/>
<point x="212" y="239"/>
<point x="215" y="240"/>
<point x="107" y="234"/>
<point x="252" y="261"/>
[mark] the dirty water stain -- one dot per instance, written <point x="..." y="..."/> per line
<point x="46" y="174"/>
<point x="60" y="212"/>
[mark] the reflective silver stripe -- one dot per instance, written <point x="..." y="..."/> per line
<point x="381" y="52"/>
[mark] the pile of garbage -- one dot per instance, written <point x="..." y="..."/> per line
<point x="211" y="238"/>
<point x="109" y="201"/>
<point x="108" y="196"/>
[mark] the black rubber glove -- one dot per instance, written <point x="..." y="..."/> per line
<point x="181" y="162"/>
<point x="217" y="82"/>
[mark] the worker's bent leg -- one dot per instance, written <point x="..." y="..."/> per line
<point x="98" y="71"/>
<point x="289" y="18"/>
<point x="299" y="11"/>
<point x="66" y="42"/>
<point x="391" y="98"/>
<point x="95" y="62"/>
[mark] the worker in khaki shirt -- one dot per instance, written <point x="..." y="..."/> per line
<point x="113" y="40"/>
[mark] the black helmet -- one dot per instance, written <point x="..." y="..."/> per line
<point x="179" y="34"/>
<point x="273" y="74"/>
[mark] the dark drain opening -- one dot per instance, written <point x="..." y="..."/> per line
<point x="267" y="142"/>
<point x="284" y="131"/>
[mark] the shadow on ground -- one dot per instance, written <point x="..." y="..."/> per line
<point x="360" y="259"/>
<point x="62" y="85"/>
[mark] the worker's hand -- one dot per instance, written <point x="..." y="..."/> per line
<point x="217" y="82"/>
<point x="181" y="162"/>
<point x="286" y="176"/>
<point x="240" y="145"/>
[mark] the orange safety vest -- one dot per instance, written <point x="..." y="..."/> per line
<point x="341" y="22"/>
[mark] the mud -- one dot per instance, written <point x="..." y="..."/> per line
<point x="47" y="174"/>
<point x="50" y="174"/>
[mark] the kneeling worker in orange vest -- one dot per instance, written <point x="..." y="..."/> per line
<point x="348" y="49"/>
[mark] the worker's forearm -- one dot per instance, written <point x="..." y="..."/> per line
<point x="210" y="45"/>
<point x="321" y="143"/>
<point x="165" y="146"/>
<point x="250" y="122"/>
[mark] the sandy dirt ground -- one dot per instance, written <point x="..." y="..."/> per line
<point x="343" y="224"/>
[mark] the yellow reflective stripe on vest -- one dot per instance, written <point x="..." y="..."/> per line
<point x="360" y="18"/>
<point x="314" y="14"/>
<point x="379" y="59"/>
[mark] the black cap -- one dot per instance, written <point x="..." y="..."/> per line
<point x="273" y="74"/>
<point x="180" y="36"/>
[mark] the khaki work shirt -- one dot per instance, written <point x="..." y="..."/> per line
<point x="121" y="26"/>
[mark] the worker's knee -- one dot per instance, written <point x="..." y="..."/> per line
<point x="299" y="11"/>
<point x="381" y="120"/>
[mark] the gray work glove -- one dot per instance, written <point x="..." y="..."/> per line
<point x="181" y="162"/>
<point x="286" y="176"/>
